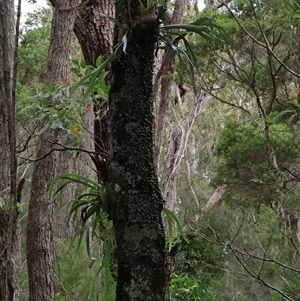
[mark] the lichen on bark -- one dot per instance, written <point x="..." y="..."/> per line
<point x="137" y="222"/>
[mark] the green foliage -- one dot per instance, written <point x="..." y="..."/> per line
<point x="171" y="217"/>
<point x="78" y="276"/>
<point x="57" y="111"/>
<point x="60" y="112"/>
<point x="196" y="268"/>
<point x="184" y="287"/>
<point x="243" y="160"/>
<point x="199" y="256"/>
<point x="148" y="7"/>
<point x="92" y="79"/>
<point x="205" y="27"/>
<point x="248" y="235"/>
<point x="91" y="203"/>
<point x="32" y="60"/>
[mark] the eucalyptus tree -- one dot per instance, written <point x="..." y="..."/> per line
<point x="9" y="214"/>
<point x="40" y="253"/>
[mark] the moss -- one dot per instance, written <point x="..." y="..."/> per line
<point x="139" y="232"/>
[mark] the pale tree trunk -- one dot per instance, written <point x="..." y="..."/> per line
<point x="180" y="133"/>
<point x="9" y="216"/>
<point x="162" y="88"/>
<point x="40" y="251"/>
<point x="177" y="145"/>
<point x="210" y="205"/>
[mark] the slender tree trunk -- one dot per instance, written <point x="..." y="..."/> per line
<point x="9" y="216"/>
<point x="177" y="145"/>
<point x="40" y="252"/>
<point x="137" y="218"/>
<point x="162" y="89"/>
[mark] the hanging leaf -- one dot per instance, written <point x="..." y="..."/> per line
<point x="116" y="21"/>
<point x="171" y="217"/>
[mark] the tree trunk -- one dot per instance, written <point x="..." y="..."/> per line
<point x="94" y="33"/>
<point x="9" y="216"/>
<point x="137" y="216"/>
<point x="40" y="252"/>
<point x="177" y="145"/>
<point x="162" y="89"/>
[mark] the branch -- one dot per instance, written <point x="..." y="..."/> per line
<point x="64" y="148"/>
<point x="253" y="275"/>
<point x="265" y="46"/>
<point x="211" y="204"/>
<point x="245" y="253"/>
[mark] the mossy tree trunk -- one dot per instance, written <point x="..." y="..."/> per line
<point x="137" y="214"/>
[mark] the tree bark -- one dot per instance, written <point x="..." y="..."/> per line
<point x="9" y="215"/>
<point x="178" y="142"/>
<point x="94" y="33"/>
<point x="40" y="252"/>
<point x="210" y="205"/>
<point x="137" y="218"/>
<point x="162" y="89"/>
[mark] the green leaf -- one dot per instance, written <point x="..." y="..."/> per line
<point x="170" y="54"/>
<point x="170" y="218"/>
<point x="143" y="9"/>
<point x="75" y="62"/>
<point x="99" y="61"/>
<point x="188" y="27"/>
<point x="83" y="64"/>
<point x="160" y="10"/>
<point x="51" y="87"/>
<point x="123" y="15"/>
<point x="116" y="21"/>
<point x="93" y="75"/>
<point x="106" y="266"/>
<point x="43" y="129"/>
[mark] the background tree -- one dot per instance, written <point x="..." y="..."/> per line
<point x="9" y="201"/>
<point x="40" y="252"/>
